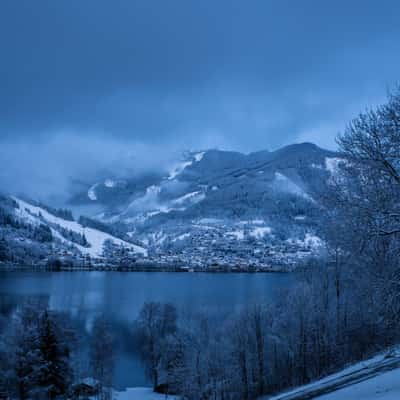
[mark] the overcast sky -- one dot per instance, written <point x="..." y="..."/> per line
<point x="86" y="85"/>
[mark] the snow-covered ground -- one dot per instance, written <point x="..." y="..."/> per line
<point x="260" y="231"/>
<point x="367" y="385"/>
<point x="375" y="378"/>
<point x="383" y="387"/>
<point x="95" y="238"/>
<point x="140" y="393"/>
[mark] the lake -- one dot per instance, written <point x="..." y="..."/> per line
<point x="120" y="296"/>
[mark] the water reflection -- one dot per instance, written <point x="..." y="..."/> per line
<point x="119" y="296"/>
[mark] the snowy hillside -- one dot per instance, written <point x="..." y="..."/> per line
<point x="382" y="387"/>
<point x="95" y="238"/>
<point x="375" y="378"/>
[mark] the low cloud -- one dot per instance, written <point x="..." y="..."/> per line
<point x="45" y="169"/>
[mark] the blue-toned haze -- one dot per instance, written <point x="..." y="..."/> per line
<point x="126" y="85"/>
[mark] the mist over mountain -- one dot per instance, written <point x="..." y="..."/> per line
<point x="263" y="195"/>
<point x="210" y="206"/>
<point x="213" y="178"/>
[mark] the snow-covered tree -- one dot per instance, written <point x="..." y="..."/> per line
<point x="102" y="357"/>
<point x="54" y="372"/>
<point x="155" y="322"/>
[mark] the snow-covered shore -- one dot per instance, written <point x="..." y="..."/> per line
<point x="140" y="393"/>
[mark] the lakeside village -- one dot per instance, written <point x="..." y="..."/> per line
<point x="202" y="252"/>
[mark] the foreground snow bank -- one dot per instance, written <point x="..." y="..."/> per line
<point x="383" y="387"/>
<point x="140" y="393"/>
<point x="376" y="377"/>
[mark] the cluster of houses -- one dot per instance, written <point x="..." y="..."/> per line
<point x="219" y="249"/>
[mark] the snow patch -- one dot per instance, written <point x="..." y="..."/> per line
<point x="158" y="238"/>
<point x="332" y="164"/>
<point x="260" y="231"/>
<point x="181" y="237"/>
<point x="109" y="183"/>
<point x="153" y="190"/>
<point x="178" y="168"/>
<point x="92" y="192"/>
<point x="238" y="235"/>
<point x="199" y="156"/>
<point x="310" y="241"/>
<point x="193" y="197"/>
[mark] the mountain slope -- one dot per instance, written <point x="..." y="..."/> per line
<point x="94" y="237"/>
<point x="218" y="179"/>
<point x="32" y="233"/>
<point x="224" y="207"/>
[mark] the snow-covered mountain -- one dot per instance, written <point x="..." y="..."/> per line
<point x="223" y="201"/>
<point x="212" y="177"/>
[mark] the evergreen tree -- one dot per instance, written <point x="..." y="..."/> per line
<point x="54" y="375"/>
<point x="84" y="241"/>
<point x="27" y="355"/>
<point x="43" y="234"/>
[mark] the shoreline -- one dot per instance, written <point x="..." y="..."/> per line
<point x="143" y="268"/>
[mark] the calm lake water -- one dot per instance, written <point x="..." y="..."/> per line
<point x="120" y="295"/>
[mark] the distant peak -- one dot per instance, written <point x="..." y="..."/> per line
<point x="304" y="145"/>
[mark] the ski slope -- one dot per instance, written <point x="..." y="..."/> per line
<point x="94" y="237"/>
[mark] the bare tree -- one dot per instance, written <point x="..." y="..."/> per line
<point x="102" y="356"/>
<point x="155" y="322"/>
